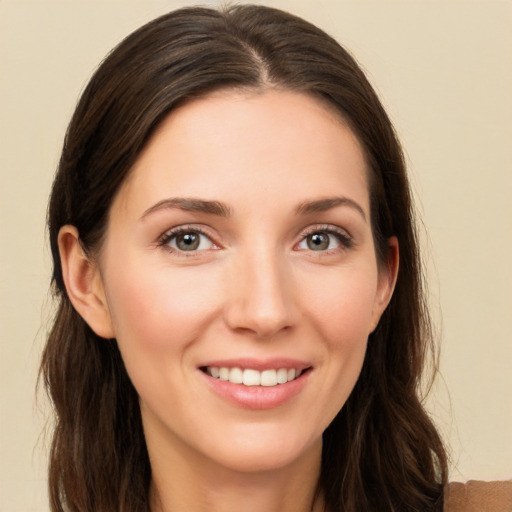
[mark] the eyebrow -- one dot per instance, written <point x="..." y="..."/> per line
<point x="322" y="205"/>
<point x="190" y="205"/>
<point x="222" y="210"/>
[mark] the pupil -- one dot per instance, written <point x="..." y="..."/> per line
<point x="318" y="241"/>
<point x="188" y="241"/>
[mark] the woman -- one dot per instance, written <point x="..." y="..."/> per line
<point x="241" y="322"/>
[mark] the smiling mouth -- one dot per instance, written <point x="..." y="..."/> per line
<point x="251" y="377"/>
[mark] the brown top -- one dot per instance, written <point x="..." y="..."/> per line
<point x="478" y="496"/>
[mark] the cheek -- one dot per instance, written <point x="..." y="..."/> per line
<point x="158" y="313"/>
<point x="342" y="306"/>
<point x="157" y="309"/>
<point x="341" y="311"/>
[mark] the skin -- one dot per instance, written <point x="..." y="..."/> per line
<point x="256" y="287"/>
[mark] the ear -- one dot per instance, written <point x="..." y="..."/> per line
<point x="388" y="273"/>
<point x="83" y="283"/>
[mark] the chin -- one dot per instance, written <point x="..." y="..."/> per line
<point x="259" y="453"/>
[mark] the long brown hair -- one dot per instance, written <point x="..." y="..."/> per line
<point x="381" y="452"/>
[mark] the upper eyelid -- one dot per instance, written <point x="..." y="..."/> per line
<point x="164" y="241"/>
<point x="325" y="227"/>
<point x="344" y="237"/>
<point x="169" y="233"/>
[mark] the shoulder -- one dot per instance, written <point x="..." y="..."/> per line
<point x="478" y="496"/>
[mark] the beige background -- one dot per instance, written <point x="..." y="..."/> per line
<point x="444" y="71"/>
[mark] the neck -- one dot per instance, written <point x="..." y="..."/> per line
<point x="187" y="482"/>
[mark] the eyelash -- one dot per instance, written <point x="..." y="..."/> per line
<point x="168" y="236"/>
<point x="345" y="240"/>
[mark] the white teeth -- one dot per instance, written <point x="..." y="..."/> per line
<point x="250" y="377"/>
<point x="282" y="376"/>
<point x="236" y="376"/>
<point x="269" y="378"/>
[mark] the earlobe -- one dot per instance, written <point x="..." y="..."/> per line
<point x="83" y="283"/>
<point x="388" y="273"/>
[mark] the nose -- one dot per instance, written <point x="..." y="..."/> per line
<point x="260" y="298"/>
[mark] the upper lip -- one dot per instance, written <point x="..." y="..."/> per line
<point x="258" y="364"/>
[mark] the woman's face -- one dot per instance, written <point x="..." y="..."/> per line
<point x="240" y="248"/>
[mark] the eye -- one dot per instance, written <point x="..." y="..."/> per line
<point x="324" y="240"/>
<point x="187" y="240"/>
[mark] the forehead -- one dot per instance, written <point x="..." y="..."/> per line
<point x="242" y="143"/>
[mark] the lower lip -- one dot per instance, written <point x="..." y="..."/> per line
<point x="257" y="397"/>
